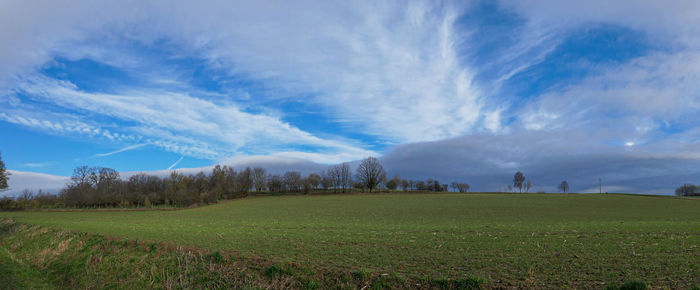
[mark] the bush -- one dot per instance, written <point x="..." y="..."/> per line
<point x="634" y="285"/>
<point x="275" y="270"/>
<point x="361" y="275"/>
<point x="629" y="285"/>
<point x="463" y="283"/>
<point x="216" y="257"/>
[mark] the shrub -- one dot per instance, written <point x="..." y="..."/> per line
<point x="361" y="275"/>
<point x="463" y="283"/>
<point x="275" y="270"/>
<point x="629" y="285"/>
<point x="633" y="285"/>
<point x="216" y="257"/>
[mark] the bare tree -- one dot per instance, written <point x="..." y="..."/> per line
<point x="393" y="183"/>
<point x="405" y="184"/>
<point x="461" y="187"/>
<point x="326" y="181"/>
<point x="217" y="181"/>
<point x="334" y="177"/>
<point x="518" y="180"/>
<point x="259" y="180"/>
<point x="314" y="180"/>
<point x="528" y="185"/>
<point x="370" y="173"/>
<point x="4" y="175"/>
<point x="687" y="190"/>
<point x="563" y="186"/>
<point x="244" y="180"/>
<point x="275" y="183"/>
<point x="345" y="176"/>
<point x="293" y="181"/>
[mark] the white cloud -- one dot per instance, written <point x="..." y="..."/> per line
<point x="21" y="180"/>
<point x="38" y="164"/>
<point x="388" y="69"/>
<point x="178" y="122"/>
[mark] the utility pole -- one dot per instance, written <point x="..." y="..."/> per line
<point x="600" y="181"/>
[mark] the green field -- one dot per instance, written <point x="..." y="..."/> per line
<point x="508" y="239"/>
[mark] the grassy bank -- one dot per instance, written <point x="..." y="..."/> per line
<point x="524" y="240"/>
<point x="36" y="257"/>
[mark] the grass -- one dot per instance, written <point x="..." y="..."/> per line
<point x="15" y="274"/>
<point x="527" y="240"/>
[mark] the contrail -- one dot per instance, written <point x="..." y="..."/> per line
<point x="176" y="162"/>
<point x="127" y="148"/>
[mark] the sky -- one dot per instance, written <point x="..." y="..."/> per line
<point x="468" y="91"/>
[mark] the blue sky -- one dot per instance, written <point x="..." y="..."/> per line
<point x="421" y="84"/>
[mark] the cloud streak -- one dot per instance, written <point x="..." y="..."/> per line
<point x="176" y="162"/>
<point x="127" y="148"/>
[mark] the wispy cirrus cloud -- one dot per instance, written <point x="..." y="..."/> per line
<point x="394" y="73"/>
<point x="178" y="122"/>
<point x="38" y="164"/>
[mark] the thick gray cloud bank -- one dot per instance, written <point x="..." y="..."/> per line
<point x="488" y="163"/>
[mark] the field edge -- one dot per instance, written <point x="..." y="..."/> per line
<point x="39" y="257"/>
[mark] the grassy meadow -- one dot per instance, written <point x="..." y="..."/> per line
<point x="526" y="240"/>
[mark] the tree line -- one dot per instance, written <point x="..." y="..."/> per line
<point x="104" y="187"/>
<point x="688" y="190"/>
<point x="521" y="183"/>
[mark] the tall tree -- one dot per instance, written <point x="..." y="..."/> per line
<point x="405" y="184"/>
<point x="345" y="176"/>
<point x="370" y="173"/>
<point x="393" y="183"/>
<point x="314" y="180"/>
<point x="293" y="181"/>
<point x="259" y="176"/>
<point x="244" y="179"/>
<point x="563" y="186"/>
<point x="335" y="177"/>
<point x="687" y="190"/>
<point x="326" y="180"/>
<point x="518" y="180"/>
<point x="4" y="175"/>
<point x="275" y="183"/>
<point x="528" y="185"/>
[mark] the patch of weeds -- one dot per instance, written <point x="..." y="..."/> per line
<point x="383" y="282"/>
<point x="361" y="275"/>
<point x="93" y="241"/>
<point x="629" y="285"/>
<point x="154" y="247"/>
<point x="634" y="285"/>
<point x="309" y="284"/>
<point x="463" y="283"/>
<point x="216" y="256"/>
<point x="276" y="270"/>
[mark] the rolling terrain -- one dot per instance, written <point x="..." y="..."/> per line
<point x="527" y="240"/>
